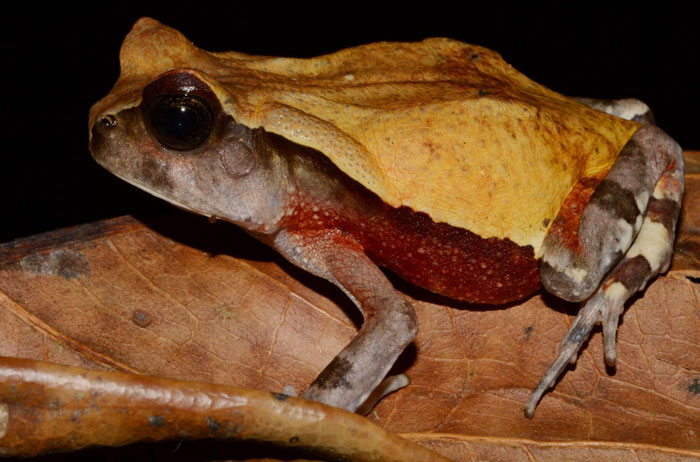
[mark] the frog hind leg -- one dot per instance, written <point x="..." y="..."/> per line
<point x="626" y="108"/>
<point x="626" y="233"/>
<point x="390" y="323"/>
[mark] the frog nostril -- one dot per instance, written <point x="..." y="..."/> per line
<point x="108" y="121"/>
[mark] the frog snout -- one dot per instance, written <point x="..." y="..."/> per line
<point x="100" y="132"/>
<point x="115" y="136"/>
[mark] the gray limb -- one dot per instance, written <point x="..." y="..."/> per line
<point x="390" y="322"/>
<point x="627" y="108"/>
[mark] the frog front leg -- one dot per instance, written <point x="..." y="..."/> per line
<point x="625" y="237"/>
<point x="390" y="322"/>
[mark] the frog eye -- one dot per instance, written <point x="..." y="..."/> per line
<point x="179" y="121"/>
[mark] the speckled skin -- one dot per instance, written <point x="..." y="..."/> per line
<point x="612" y="234"/>
<point x="441" y="258"/>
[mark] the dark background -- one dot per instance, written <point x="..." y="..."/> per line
<point x="57" y="62"/>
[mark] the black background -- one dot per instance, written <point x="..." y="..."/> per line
<point x="58" y="61"/>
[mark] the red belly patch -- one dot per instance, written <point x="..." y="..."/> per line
<point x="436" y="256"/>
<point x="449" y="260"/>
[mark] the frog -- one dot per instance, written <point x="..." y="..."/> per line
<point x="434" y="160"/>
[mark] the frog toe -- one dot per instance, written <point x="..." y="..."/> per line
<point x="588" y="316"/>
<point x="615" y="298"/>
<point x="388" y="386"/>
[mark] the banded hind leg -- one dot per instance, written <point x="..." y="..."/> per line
<point x="626" y="108"/>
<point x="625" y="237"/>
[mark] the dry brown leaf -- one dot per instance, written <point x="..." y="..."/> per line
<point x="686" y="258"/>
<point x="46" y="407"/>
<point x="469" y="448"/>
<point x="182" y="299"/>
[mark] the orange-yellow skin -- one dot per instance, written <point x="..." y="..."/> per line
<point x="445" y="128"/>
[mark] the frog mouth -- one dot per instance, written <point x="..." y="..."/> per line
<point x="155" y="193"/>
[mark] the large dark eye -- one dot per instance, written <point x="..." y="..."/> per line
<point x="180" y="122"/>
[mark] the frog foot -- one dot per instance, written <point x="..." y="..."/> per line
<point x="606" y="307"/>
